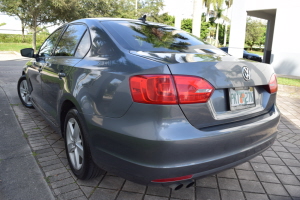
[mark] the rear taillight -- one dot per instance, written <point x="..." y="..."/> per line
<point x="161" y="89"/>
<point x="272" y="84"/>
<point x="153" y="89"/>
<point x="193" y="89"/>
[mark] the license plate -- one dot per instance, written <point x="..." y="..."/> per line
<point x="241" y="98"/>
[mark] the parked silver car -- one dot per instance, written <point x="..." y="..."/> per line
<point x="149" y="102"/>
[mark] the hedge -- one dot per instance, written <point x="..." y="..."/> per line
<point x="17" y="38"/>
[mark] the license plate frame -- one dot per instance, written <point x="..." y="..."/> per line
<point x="241" y="98"/>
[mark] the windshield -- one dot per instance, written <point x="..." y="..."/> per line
<point x="153" y="37"/>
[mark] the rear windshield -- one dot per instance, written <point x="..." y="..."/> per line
<point x="153" y="37"/>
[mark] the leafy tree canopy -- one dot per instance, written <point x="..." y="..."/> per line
<point x="255" y="32"/>
<point x="37" y="13"/>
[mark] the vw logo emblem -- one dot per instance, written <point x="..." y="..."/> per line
<point x="246" y="73"/>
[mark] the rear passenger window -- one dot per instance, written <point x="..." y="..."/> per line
<point x="69" y="41"/>
<point x="83" y="46"/>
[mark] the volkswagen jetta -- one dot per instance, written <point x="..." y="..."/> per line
<point x="149" y="102"/>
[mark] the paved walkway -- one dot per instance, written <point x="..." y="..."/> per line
<point x="20" y="174"/>
<point x="273" y="175"/>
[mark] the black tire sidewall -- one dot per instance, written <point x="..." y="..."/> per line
<point x="22" y="78"/>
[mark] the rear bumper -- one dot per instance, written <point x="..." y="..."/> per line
<point x="143" y="150"/>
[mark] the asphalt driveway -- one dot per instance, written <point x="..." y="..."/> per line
<point x="273" y="175"/>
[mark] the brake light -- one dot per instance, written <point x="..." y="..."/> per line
<point x="273" y="86"/>
<point x="153" y="89"/>
<point x="161" y="89"/>
<point x="172" y="179"/>
<point x="193" y="89"/>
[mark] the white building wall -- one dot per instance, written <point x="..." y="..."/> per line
<point x="285" y="56"/>
<point x="237" y="29"/>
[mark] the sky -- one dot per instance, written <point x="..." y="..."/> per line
<point x="173" y="8"/>
<point x="13" y="25"/>
<point x="186" y="9"/>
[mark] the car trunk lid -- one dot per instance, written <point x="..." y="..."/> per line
<point x="227" y="75"/>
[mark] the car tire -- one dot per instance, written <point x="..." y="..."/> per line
<point x="23" y="92"/>
<point x="77" y="148"/>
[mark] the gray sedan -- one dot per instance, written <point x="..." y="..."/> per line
<point x="149" y="102"/>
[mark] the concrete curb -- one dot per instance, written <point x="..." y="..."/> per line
<point x="10" y="52"/>
<point x="17" y="53"/>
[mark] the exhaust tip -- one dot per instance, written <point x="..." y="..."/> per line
<point x="190" y="184"/>
<point x="178" y="187"/>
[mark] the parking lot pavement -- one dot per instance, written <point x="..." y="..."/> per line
<point x="273" y="175"/>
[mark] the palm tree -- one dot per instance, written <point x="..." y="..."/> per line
<point x="228" y="5"/>
<point x="207" y="4"/>
<point x="219" y="14"/>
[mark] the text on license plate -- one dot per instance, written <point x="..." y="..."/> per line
<point x="241" y="97"/>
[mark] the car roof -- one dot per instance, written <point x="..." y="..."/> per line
<point x="93" y="20"/>
<point x="105" y="19"/>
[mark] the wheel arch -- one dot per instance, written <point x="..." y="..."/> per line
<point x="66" y="104"/>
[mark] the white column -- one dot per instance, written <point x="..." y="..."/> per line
<point x="178" y="19"/>
<point x="237" y="29"/>
<point x="196" y="27"/>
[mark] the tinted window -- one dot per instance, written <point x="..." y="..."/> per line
<point x="102" y="45"/>
<point x="83" y="46"/>
<point x="69" y="41"/>
<point x="49" y="44"/>
<point x="139" y="36"/>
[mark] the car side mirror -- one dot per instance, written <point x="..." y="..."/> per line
<point x="28" y="52"/>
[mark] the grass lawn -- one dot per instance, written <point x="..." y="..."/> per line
<point x="257" y="52"/>
<point x="288" y="81"/>
<point x="14" y="46"/>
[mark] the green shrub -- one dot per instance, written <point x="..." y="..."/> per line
<point x="18" y="38"/>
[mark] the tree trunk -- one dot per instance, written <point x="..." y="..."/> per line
<point x="23" y="35"/>
<point x="23" y="28"/>
<point x="217" y="36"/>
<point x="207" y="14"/>
<point x="34" y="34"/>
<point x="225" y="36"/>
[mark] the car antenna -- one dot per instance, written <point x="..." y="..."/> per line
<point x="143" y="19"/>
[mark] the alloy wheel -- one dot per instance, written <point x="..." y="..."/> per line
<point x="24" y="92"/>
<point x="74" y="144"/>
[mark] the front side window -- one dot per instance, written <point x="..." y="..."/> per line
<point x="70" y="39"/>
<point x="49" y="44"/>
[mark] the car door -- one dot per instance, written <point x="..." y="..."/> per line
<point x="58" y="70"/>
<point x="36" y="67"/>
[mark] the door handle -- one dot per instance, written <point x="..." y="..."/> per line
<point x="61" y="74"/>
